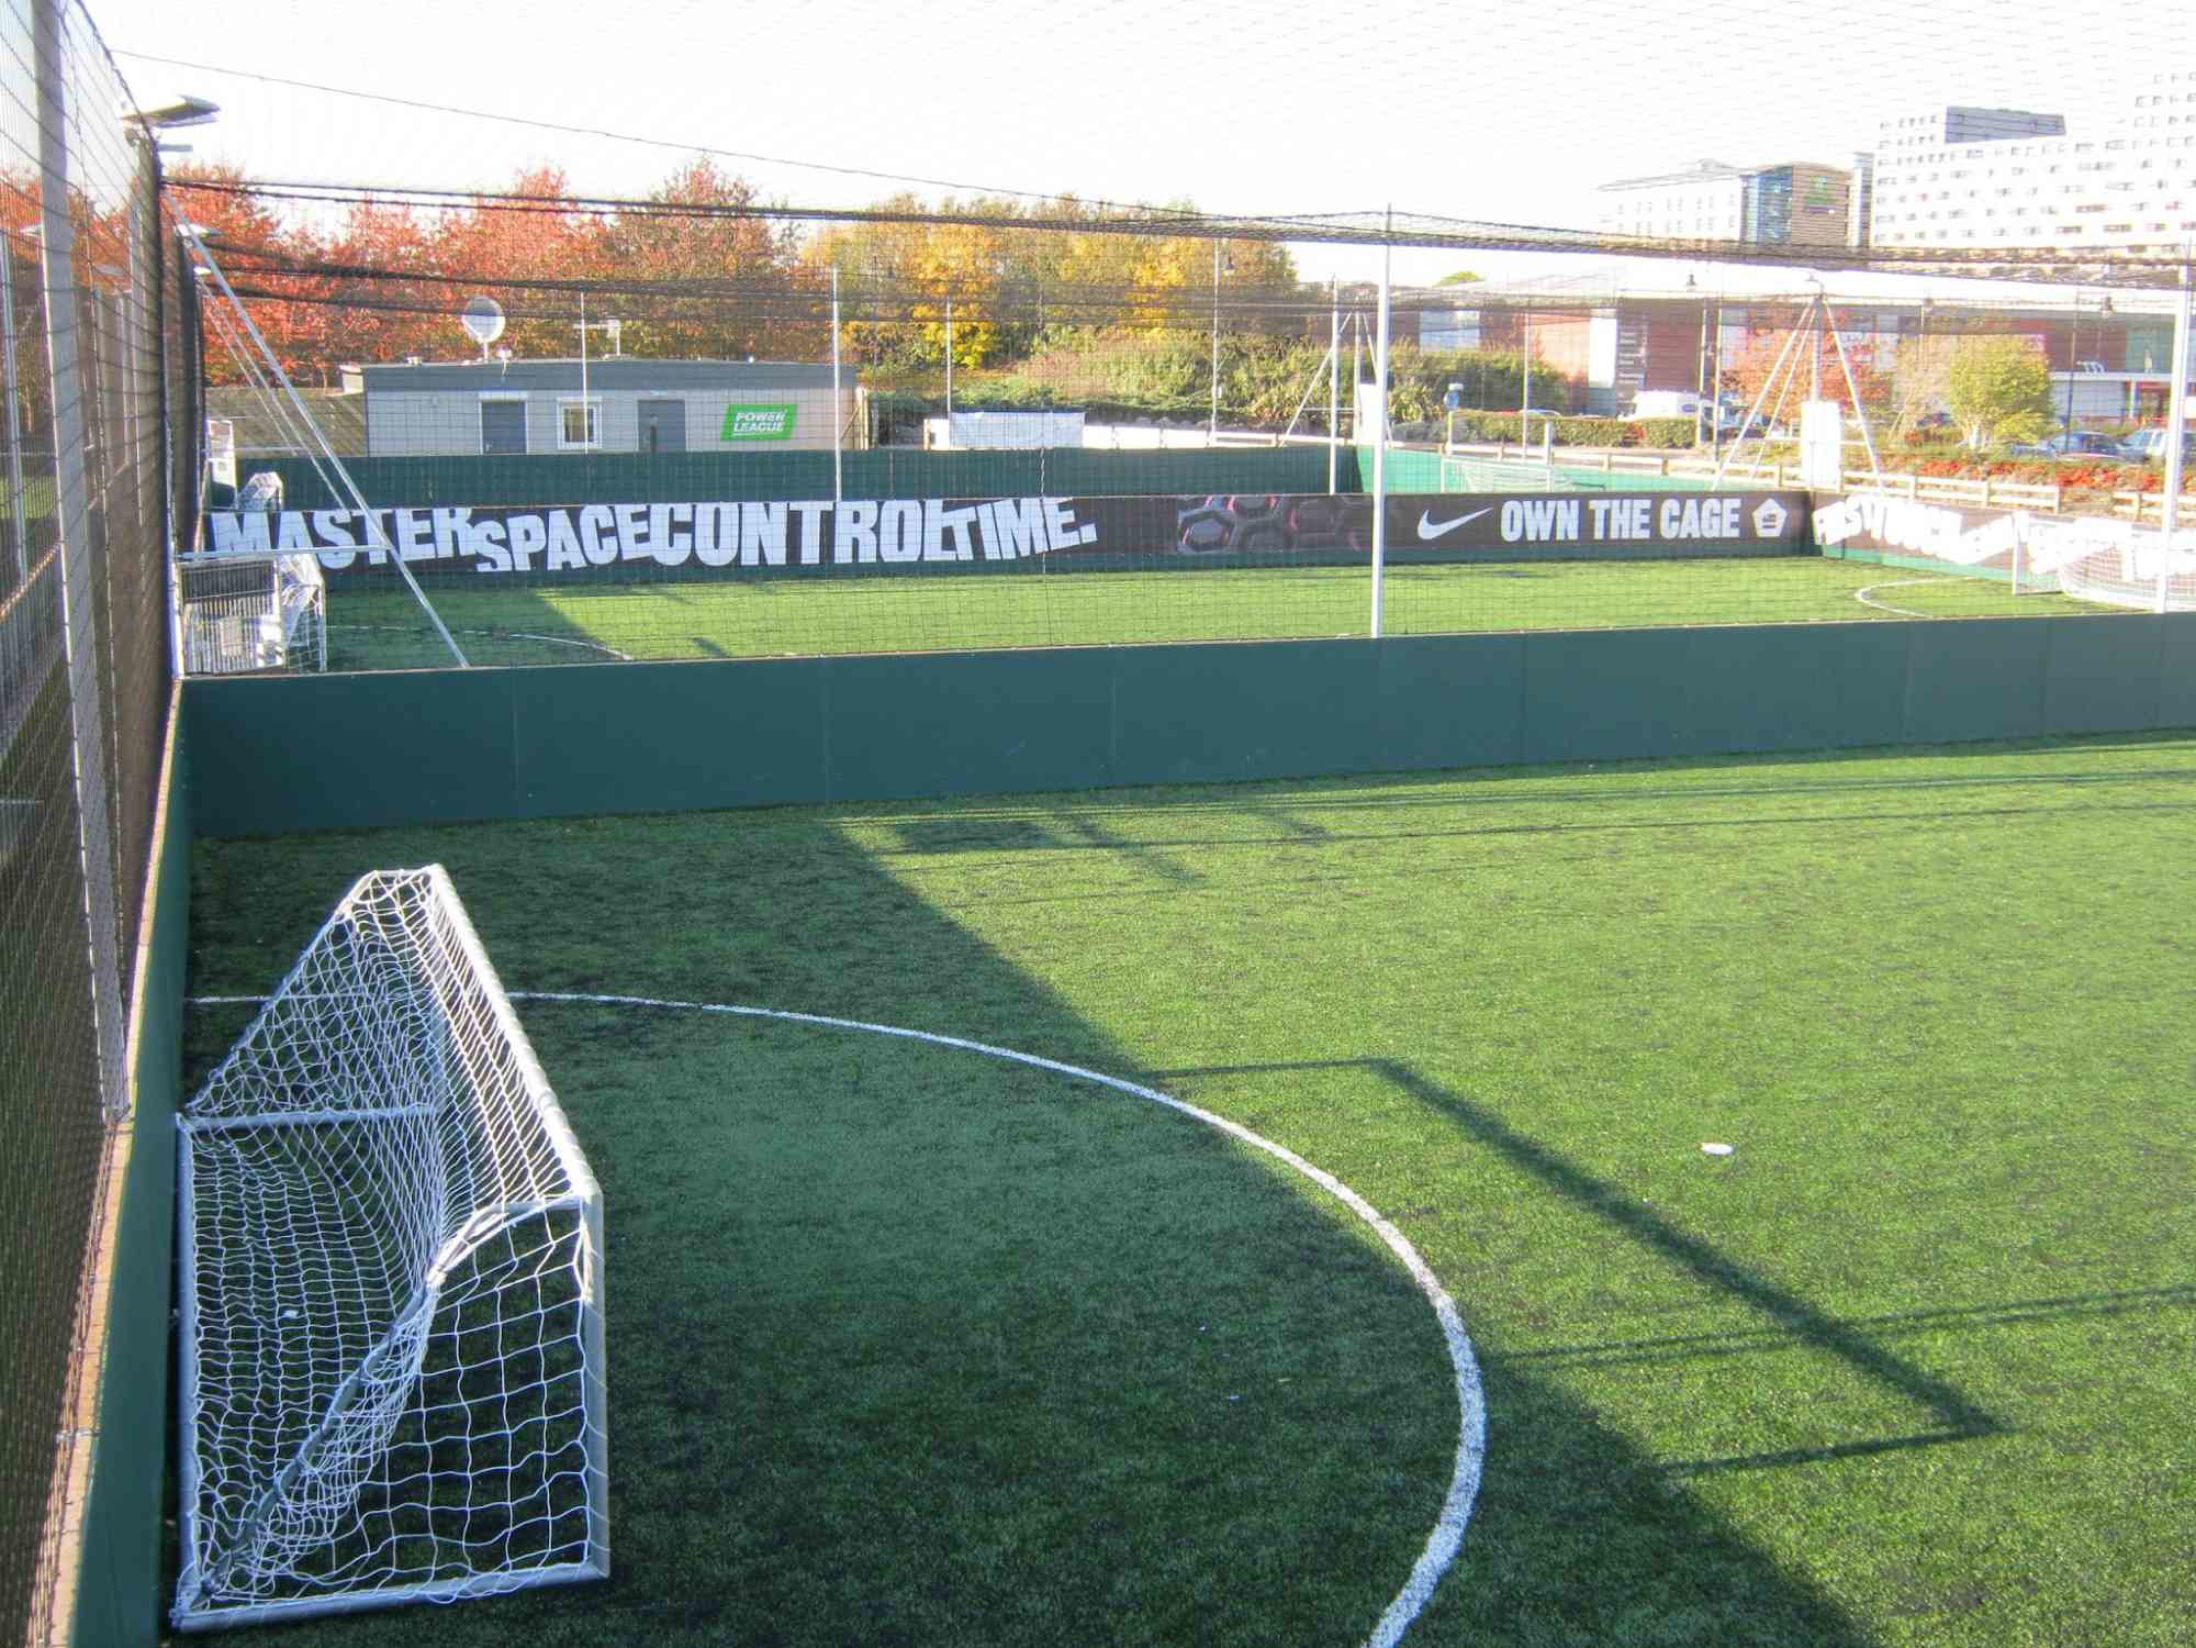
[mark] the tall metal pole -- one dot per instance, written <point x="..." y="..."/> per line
<point x="1380" y="439"/>
<point x="1700" y="378"/>
<point x="838" y="470"/>
<point x="1818" y="313"/>
<point x="587" y="417"/>
<point x="1212" y="433"/>
<point x="2176" y="435"/>
<point x="949" y="371"/>
<point x="15" y="417"/>
<point x="2073" y="364"/>
<point x="1357" y="371"/>
<point x="1525" y="383"/>
<point x="1715" y="384"/>
<point x="1334" y="380"/>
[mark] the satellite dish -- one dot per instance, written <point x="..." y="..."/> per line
<point x="482" y="319"/>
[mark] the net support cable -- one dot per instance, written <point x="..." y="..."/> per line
<point x="377" y="538"/>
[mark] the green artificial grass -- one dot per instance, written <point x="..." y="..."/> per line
<point x="904" y="1345"/>
<point x="382" y="628"/>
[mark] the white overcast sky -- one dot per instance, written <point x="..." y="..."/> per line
<point x="1502" y="110"/>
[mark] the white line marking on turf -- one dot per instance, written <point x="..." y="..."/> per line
<point x="1447" y="1538"/>
<point x="496" y="635"/>
<point x="1861" y="595"/>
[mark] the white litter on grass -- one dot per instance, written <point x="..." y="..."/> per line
<point x="1713" y="1149"/>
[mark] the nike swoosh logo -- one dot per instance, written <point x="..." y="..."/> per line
<point x="1428" y="532"/>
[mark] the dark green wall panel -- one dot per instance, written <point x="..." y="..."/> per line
<point x="1853" y="682"/>
<point x="304" y="751"/>
<point x="1442" y="705"/>
<point x="900" y="726"/>
<point x="119" y="1596"/>
<point x="1268" y="710"/>
<point x="316" y="753"/>
<point x="704" y="739"/>
<point x="2100" y="670"/>
<point x="1979" y="678"/>
<point x="2176" y="673"/>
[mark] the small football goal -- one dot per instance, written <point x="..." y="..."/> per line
<point x="392" y="1333"/>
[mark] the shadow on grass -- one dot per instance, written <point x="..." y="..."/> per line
<point x="817" y="1450"/>
<point x="1953" y="1418"/>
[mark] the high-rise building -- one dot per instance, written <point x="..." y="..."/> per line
<point x="1969" y="177"/>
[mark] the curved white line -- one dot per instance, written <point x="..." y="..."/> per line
<point x="1447" y="1538"/>
<point x="492" y="635"/>
<point x="1861" y="595"/>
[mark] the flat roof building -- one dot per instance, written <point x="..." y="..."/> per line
<point x="631" y="404"/>
<point x="1791" y="203"/>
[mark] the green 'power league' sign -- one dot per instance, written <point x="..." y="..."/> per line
<point x="758" y="423"/>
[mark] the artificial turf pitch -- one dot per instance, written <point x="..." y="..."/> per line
<point x="908" y="1347"/>
<point x="381" y="627"/>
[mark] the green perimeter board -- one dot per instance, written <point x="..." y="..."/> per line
<point x="325" y="752"/>
<point x="119" y="1595"/>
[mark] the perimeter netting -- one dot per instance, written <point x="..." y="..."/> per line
<point x="392" y="1288"/>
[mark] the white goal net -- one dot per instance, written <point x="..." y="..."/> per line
<point x="2112" y="562"/>
<point x="251" y="612"/>
<point x="392" y="1356"/>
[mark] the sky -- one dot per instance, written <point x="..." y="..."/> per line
<point x="1509" y="111"/>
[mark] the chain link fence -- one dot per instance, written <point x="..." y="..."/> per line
<point x="84" y="684"/>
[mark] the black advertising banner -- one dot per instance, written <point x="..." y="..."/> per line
<point x="603" y="542"/>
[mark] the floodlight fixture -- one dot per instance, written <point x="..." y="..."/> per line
<point x="184" y="111"/>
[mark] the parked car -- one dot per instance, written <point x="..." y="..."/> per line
<point x="2075" y="443"/>
<point x="2149" y="446"/>
<point x="1759" y="428"/>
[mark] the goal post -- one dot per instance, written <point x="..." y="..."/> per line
<point x="391" y="1275"/>
<point x="251" y="610"/>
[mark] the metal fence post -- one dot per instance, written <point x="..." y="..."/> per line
<point x="79" y="625"/>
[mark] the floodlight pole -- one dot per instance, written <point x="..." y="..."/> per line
<point x="587" y="420"/>
<point x="1525" y="383"/>
<point x="1334" y="380"/>
<point x="838" y="470"/>
<point x="949" y="371"/>
<point x="1212" y="429"/>
<point x="2176" y="434"/>
<point x="1700" y="378"/>
<point x="1380" y="435"/>
<point x="1715" y="385"/>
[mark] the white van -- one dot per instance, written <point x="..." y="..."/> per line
<point x="1667" y="403"/>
